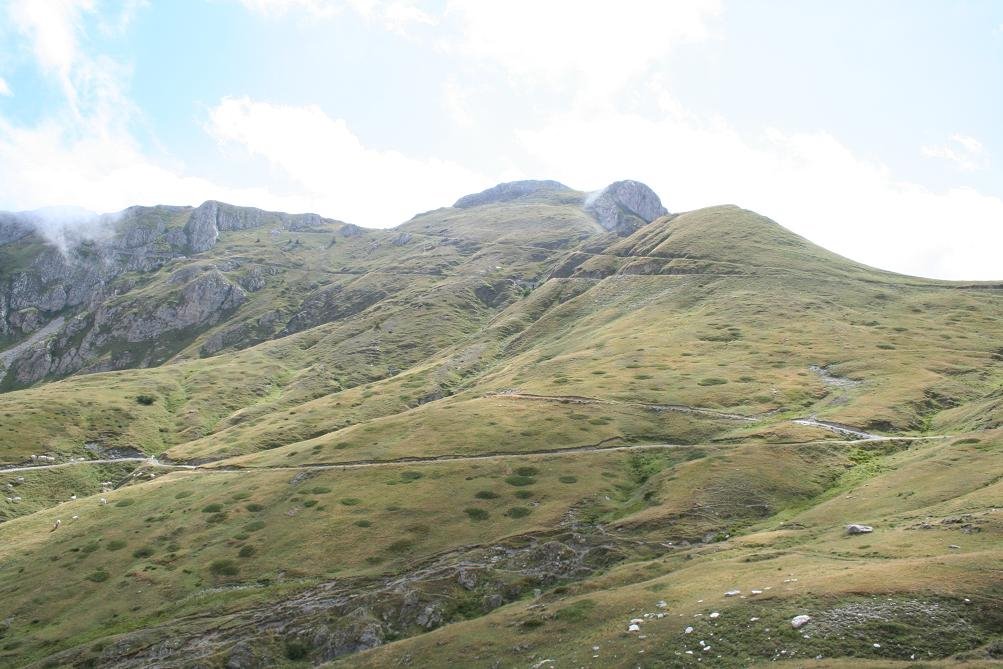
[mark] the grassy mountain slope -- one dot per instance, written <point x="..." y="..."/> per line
<point x="496" y="434"/>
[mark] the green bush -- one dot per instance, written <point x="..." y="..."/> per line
<point x="253" y="507"/>
<point x="568" y="479"/>
<point x="247" y="551"/>
<point x="351" y="501"/>
<point x="517" y="512"/>
<point x="124" y="502"/>
<point x="320" y="490"/>
<point x="486" y="494"/>
<point x="363" y="523"/>
<point x="143" y="552"/>
<point x="411" y="475"/>
<point x="476" y="514"/>
<point x="309" y="503"/>
<point x="527" y="471"/>
<point x="711" y="382"/>
<point x="224" y="568"/>
<point x="519" y="480"/>
<point x="115" y="545"/>
<point x="183" y="494"/>
<point x="296" y="649"/>
<point x="145" y="400"/>
<point x="212" y="508"/>
<point x="99" y="576"/>
<point x="523" y="494"/>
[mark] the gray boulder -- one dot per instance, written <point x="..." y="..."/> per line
<point x="854" y="528"/>
<point x="624" y="206"/>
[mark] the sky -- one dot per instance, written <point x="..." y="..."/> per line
<point x="871" y="128"/>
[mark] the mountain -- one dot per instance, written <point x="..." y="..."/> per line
<point x="492" y="436"/>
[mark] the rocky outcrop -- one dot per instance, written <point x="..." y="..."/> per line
<point x="63" y="290"/>
<point x="346" y="616"/>
<point x="138" y="332"/>
<point x="507" y="192"/>
<point x="624" y="206"/>
<point x="211" y="217"/>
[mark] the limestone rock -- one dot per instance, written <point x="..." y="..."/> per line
<point x="854" y="528"/>
<point x="624" y="206"/>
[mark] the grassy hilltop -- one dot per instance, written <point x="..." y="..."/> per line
<point x="495" y="435"/>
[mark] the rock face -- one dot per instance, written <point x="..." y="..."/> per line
<point x="506" y="192"/>
<point x="65" y="301"/>
<point x="211" y="217"/>
<point x="624" y="206"/>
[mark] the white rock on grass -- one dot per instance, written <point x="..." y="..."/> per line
<point x="855" y="528"/>
<point x="688" y="630"/>
<point x="800" y="621"/>
<point x="732" y="593"/>
<point x="715" y="614"/>
<point x="634" y="627"/>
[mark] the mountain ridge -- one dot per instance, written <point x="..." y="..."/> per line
<point x="502" y="425"/>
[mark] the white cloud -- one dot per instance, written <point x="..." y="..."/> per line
<point x="393" y="15"/>
<point x="53" y="27"/>
<point x="809" y="182"/>
<point x="599" y="44"/>
<point x="84" y="154"/>
<point x="333" y="170"/>
<point x="52" y="164"/>
<point x="965" y="152"/>
<point x="4" y="88"/>
<point x="455" y="102"/>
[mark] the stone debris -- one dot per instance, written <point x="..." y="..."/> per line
<point x="732" y="593"/>
<point x="634" y="627"/>
<point x="855" y="528"/>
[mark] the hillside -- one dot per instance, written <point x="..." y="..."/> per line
<point x="492" y="436"/>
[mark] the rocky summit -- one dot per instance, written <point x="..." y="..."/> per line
<point x="542" y="427"/>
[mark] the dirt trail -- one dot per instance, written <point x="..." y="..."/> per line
<point x="578" y="399"/>
<point x="839" y="428"/>
<point x="148" y="460"/>
<point x="593" y="448"/>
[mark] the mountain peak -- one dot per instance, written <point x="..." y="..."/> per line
<point x="624" y="206"/>
<point x="511" y="190"/>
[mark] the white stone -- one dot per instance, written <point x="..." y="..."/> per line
<point x="800" y="621"/>
<point x="715" y="614"/>
<point x="634" y="628"/>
